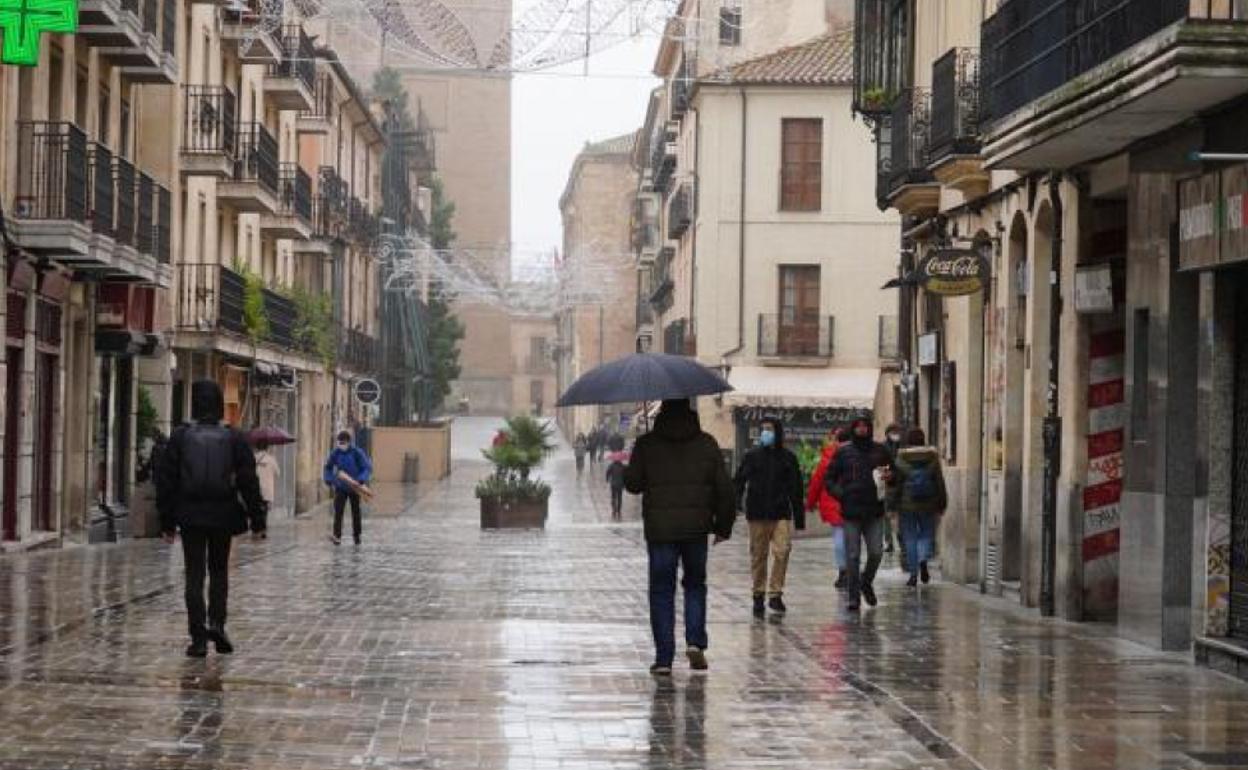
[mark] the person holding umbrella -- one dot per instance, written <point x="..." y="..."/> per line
<point x="267" y="469"/>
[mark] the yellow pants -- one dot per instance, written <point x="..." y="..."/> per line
<point x="775" y="537"/>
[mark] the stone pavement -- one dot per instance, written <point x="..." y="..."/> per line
<point x="436" y="645"/>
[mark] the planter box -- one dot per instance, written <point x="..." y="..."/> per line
<point x="498" y="515"/>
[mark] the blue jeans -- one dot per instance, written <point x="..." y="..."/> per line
<point x="838" y="547"/>
<point x="919" y="538"/>
<point x="664" y="558"/>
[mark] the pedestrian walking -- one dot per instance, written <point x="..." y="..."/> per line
<point x="579" y="447"/>
<point x="817" y="498"/>
<point x="600" y="444"/>
<point x="686" y="496"/>
<point x="615" y="479"/>
<point x="347" y="459"/>
<point x="893" y="436"/>
<point x="770" y="483"/>
<point x="591" y="446"/>
<point x="204" y="472"/>
<point x="852" y="481"/>
<point x="919" y="495"/>
<point x="268" y="472"/>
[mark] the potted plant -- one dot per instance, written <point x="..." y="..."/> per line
<point x="877" y="99"/>
<point x="509" y="496"/>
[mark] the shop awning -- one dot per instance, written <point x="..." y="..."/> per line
<point x="796" y="388"/>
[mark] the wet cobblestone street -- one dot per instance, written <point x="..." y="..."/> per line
<point x="437" y="645"/>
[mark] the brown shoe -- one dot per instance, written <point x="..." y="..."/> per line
<point x="697" y="658"/>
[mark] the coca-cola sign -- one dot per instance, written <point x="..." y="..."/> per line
<point x="952" y="272"/>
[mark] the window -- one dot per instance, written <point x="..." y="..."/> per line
<point x="123" y="129"/>
<point x="798" y="325"/>
<point x="730" y="26"/>
<point x="801" y="164"/>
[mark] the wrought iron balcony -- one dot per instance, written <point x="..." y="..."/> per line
<point x="145" y="229"/>
<point x="293" y="218"/>
<point x="955" y="104"/>
<point x="209" y="131"/>
<point x="103" y="190"/>
<point x="51" y="171"/>
<point x="318" y="118"/>
<point x="211" y="298"/>
<point x="911" y="187"/>
<point x="680" y="212"/>
<point x="661" y="284"/>
<point x="360" y="352"/>
<point x="253" y="185"/>
<point x="783" y="335"/>
<point x="678" y="339"/>
<point x="291" y="80"/>
<point x="882" y="35"/>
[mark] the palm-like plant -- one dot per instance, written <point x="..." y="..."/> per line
<point x="523" y="445"/>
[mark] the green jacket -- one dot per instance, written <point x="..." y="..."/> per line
<point x="679" y="472"/>
<point x="900" y="495"/>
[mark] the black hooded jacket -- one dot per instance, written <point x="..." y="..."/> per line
<point x="679" y="472"/>
<point x="180" y="508"/>
<point x="771" y="482"/>
<point x="850" y="478"/>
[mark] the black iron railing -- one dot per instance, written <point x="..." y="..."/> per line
<point x="322" y="99"/>
<point x="145" y="234"/>
<point x="883" y="160"/>
<point x="359" y="351"/>
<point x="911" y="135"/>
<point x="1032" y="47"/>
<point x="326" y="223"/>
<point x="210" y="298"/>
<point x="786" y="335"/>
<point x="297" y="56"/>
<point x="103" y="189"/>
<point x="127" y="190"/>
<point x="663" y="161"/>
<point x="208" y="120"/>
<point x="257" y="156"/>
<point x="169" y="25"/>
<point x="51" y="171"/>
<point x="882" y="34"/>
<point x="333" y="189"/>
<point x="296" y="188"/>
<point x="280" y="313"/>
<point x="150" y="16"/>
<point x="661" y="284"/>
<point x="680" y="92"/>
<point x="955" y="104"/>
<point x="680" y="212"/>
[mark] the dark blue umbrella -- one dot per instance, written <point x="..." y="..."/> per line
<point x="644" y="377"/>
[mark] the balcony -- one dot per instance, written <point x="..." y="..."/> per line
<point x="663" y="161"/>
<point x="291" y="81"/>
<point x="319" y="117"/>
<point x="50" y="214"/>
<point x="149" y="56"/>
<point x="1070" y="81"/>
<point x="363" y="225"/>
<point x="110" y="24"/>
<point x="209" y="131"/>
<point x="678" y="339"/>
<point x="681" y="89"/>
<point x="211" y="300"/>
<point x="253" y="27"/>
<point x="882" y="39"/>
<point x="912" y="189"/>
<point x="661" y="285"/>
<point x="293" y="218"/>
<point x="253" y="185"/>
<point x="680" y="212"/>
<point x="786" y="339"/>
<point x="359" y="352"/>
<point x="954" y="157"/>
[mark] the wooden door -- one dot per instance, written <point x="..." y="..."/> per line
<point x="799" y="310"/>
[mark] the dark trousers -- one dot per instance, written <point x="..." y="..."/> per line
<point x="664" y="559"/>
<point x="617" y="499"/>
<point x="206" y="550"/>
<point x="340" y="504"/>
<point x="871" y="530"/>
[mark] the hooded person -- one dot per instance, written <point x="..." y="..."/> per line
<point x="851" y="479"/>
<point x="686" y="497"/>
<point x="204" y="472"/>
<point x="894" y="440"/>
<point x="770" y="483"/>
<point x="817" y="498"/>
<point x="919" y="496"/>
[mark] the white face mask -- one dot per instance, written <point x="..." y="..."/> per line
<point x="343" y="447"/>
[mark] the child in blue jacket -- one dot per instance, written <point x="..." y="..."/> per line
<point x="346" y="458"/>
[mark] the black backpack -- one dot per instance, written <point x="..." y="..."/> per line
<point x="207" y="469"/>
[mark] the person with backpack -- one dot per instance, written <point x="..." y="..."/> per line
<point x="204" y="472"/>
<point x="918" y="493"/>
<point x="770" y="482"/>
<point x="817" y="498"/>
<point x="615" y="479"/>
<point x="851" y="479"/>
<point x="347" y="459"/>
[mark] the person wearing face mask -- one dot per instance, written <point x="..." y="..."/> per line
<point x="346" y="458"/>
<point x="770" y="482"/>
<point x="851" y="480"/>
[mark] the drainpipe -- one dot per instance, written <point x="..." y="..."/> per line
<point x="741" y="234"/>
<point x="1052" y="421"/>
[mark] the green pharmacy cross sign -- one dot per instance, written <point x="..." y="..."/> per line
<point x="21" y="21"/>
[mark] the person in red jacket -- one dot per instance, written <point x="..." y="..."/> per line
<point x="829" y="507"/>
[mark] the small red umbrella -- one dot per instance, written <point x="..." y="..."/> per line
<point x="271" y="435"/>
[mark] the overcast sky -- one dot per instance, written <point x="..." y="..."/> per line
<point x="554" y="113"/>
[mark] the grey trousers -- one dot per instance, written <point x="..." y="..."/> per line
<point x="856" y="531"/>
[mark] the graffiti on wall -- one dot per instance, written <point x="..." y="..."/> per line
<point x="1102" y="497"/>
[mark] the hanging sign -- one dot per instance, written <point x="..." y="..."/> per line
<point x="21" y="22"/>
<point x="367" y="391"/>
<point x="952" y="272"/>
